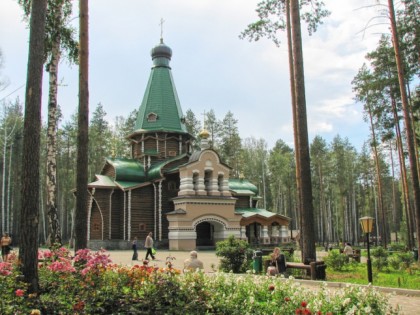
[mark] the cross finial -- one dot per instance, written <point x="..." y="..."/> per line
<point x="161" y="29"/>
<point x="204" y="119"/>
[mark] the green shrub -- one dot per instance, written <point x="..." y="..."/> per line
<point x="397" y="247"/>
<point x="235" y="255"/>
<point x="336" y="261"/>
<point x="406" y="259"/>
<point x="401" y="261"/>
<point x="380" y="258"/>
<point x="99" y="287"/>
<point x="395" y="262"/>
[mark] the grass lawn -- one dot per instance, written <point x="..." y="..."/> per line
<point x="357" y="273"/>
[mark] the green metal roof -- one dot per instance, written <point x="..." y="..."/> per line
<point x="243" y="192"/>
<point x="128" y="170"/>
<point x="156" y="169"/>
<point x="103" y="181"/>
<point x="130" y="173"/>
<point x="241" y="186"/>
<point x="160" y="97"/>
<point x="128" y="185"/>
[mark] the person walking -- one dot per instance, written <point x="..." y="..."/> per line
<point x="148" y="244"/>
<point x="6" y="240"/>
<point x="134" y="247"/>
<point x="193" y="263"/>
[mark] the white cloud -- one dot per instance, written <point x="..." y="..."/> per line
<point x="212" y="67"/>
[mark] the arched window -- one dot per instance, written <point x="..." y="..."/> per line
<point x="172" y="185"/>
<point x="152" y="117"/>
<point x="220" y="182"/>
<point x="207" y="180"/>
<point x="195" y="181"/>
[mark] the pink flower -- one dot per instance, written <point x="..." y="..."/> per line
<point x="63" y="266"/>
<point x="5" y="269"/>
<point x="19" y="292"/>
<point x="82" y="255"/>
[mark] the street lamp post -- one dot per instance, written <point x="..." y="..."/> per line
<point x="367" y="226"/>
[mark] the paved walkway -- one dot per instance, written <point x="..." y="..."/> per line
<point x="408" y="300"/>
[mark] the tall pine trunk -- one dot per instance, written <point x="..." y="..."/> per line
<point x="407" y="118"/>
<point x="53" y="220"/>
<point x="378" y="178"/>
<point x="304" y="173"/>
<point x="294" y="112"/>
<point x="29" y="218"/>
<point x="83" y="125"/>
<point x="406" y="194"/>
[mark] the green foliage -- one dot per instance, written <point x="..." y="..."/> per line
<point x="235" y="254"/>
<point x="336" y="261"/>
<point x="230" y="145"/>
<point x="397" y="247"/>
<point x="59" y="13"/>
<point x="395" y="262"/>
<point x="193" y="127"/>
<point x="272" y="19"/>
<point x="380" y="258"/>
<point x="401" y="261"/>
<point x="357" y="274"/>
<point x="98" y="287"/>
<point x="407" y="259"/>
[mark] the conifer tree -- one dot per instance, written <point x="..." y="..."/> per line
<point x="28" y="249"/>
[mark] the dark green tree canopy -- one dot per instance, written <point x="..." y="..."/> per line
<point x="59" y="15"/>
<point x="272" y="19"/>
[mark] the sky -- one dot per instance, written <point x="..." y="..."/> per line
<point x="212" y="67"/>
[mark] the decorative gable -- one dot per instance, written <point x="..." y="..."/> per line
<point x="152" y="117"/>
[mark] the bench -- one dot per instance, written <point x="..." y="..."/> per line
<point x="268" y="251"/>
<point x="356" y="254"/>
<point x="316" y="269"/>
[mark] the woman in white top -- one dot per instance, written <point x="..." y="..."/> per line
<point x="148" y="244"/>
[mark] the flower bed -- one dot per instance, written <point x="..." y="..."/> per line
<point x="90" y="284"/>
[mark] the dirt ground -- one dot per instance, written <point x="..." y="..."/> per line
<point x="209" y="258"/>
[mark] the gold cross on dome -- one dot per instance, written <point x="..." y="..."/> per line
<point x="161" y="27"/>
<point x="204" y="119"/>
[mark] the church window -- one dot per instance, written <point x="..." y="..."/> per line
<point x="195" y="181"/>
<point x="152" y="117"/>
<point x="142" y="227"/>
<point x="207" y="180"/>
<point x="220" y="183"/>
<point x="172" y="185"/>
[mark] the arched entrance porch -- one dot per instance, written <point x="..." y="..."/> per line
<point x="209" y="230"/>
<point x="265" y="228"/>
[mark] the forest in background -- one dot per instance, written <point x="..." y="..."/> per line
<point x="347" y="183"/>
<point x="344" y="179"/>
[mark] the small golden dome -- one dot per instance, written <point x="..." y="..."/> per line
<point x="204" y="134"/>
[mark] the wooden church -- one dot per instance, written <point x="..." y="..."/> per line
<point x="186" y="198"/>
